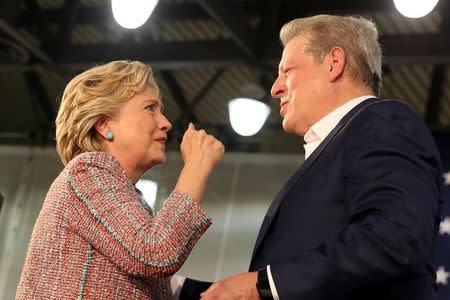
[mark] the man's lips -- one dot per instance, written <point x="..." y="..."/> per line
<point x="283" y="108"/>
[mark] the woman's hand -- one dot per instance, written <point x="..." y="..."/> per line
<point x="201" y="152"/>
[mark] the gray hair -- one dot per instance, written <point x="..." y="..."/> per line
<point x="358" y="37"/>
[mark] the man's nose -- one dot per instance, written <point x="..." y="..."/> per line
<point x="278" y="88"/>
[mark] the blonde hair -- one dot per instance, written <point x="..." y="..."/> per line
<point x="96" y="93"/>
<point x="356" y="35"/>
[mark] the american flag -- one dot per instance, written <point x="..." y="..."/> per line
<point x="443" y="255"/>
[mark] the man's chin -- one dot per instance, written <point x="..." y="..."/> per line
<point x="287" y="128"/>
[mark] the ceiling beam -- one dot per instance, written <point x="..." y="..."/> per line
<point x="207" y="87"/>
<point x="417" y="48"/>
<point x="436" y="89"/>
<point x="67" y="22"/>
<point x="178" y="94"/>
<point x="269" y="27"/>
<point x="39" y="94"/>
<point x="435" y="92"/>
<point x="194" y="11"/>
<point x="185" y="107"/>
<point x="41" y="27"/>
<point x="103" y="15"/>
<point x="230" y="15"/>
<point x="12" y="33"/>
<point x="308" y="8"/>
<point x="9" y="11"/>
<point x="172" y="55"/>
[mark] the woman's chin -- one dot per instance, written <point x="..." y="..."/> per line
<point x="159" y="161"/>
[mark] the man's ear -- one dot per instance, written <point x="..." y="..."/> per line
<point x="102" y="127"/>
<point x="336" y="62"/>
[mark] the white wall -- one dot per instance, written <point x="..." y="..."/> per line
<point x="237" y="197"/>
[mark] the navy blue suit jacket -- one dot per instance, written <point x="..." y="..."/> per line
<point x="359" y="218"/>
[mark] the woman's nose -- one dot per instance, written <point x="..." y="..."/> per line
<point x="165" y="125"/>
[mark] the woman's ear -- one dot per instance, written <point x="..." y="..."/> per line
<point x="102" y="127"/>
<point x="336" y="61"/>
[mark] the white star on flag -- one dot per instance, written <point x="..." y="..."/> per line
<point x="445" y="226"/>
<point x="446" y="178"/>
<point x="442" y="276"/>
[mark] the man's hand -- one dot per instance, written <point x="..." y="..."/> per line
<point x="239" y="286"/>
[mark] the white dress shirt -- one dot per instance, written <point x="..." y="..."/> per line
<point x="313" y="137"/>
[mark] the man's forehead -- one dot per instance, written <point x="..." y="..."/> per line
<point x="284" y="57"/>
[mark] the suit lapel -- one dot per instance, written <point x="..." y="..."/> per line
<point x="273" y="209"/>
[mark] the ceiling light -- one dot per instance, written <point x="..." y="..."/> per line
<point x="149" y="188"/>
<point x="131" y="14"/>
<point x="247" y="116"/>
<point x="415" y="8"/>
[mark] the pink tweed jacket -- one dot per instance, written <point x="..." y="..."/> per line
<point x="95" y="237"/>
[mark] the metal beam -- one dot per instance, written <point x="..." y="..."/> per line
<point x="177" y="91"/>
<point x="42" y="26"/>
<point x="187" y="114"/>
<point x="268" y="31"/>
<point x="9" y="11"/>
<point x="231" y="16"/>
<point x="17" y="37"/>
<point x="193" y="11"/>
<point x="103" y="15"/>
<point x="436" y="89"/>
<point x="41" y="56"/>
<point x="435" y="95"/>
<point x="296" y="9"/>
<point x="159" y="55"/>
<point x="207" y="87"/>
<point x="67" y="21"/>
<point x="38" y="94"/>
<point x="417" y="48"/>
<point x="428" y="48"/>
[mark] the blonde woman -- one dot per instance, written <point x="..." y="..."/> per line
<point x="95" y="238"/>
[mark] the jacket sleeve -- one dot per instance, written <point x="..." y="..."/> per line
<point x="110" y="216"/>
<point x="391" y="185"/>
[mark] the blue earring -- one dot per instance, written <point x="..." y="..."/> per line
<point x="109" y="135"/>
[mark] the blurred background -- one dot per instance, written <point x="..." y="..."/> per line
<point x="204" y="54"/>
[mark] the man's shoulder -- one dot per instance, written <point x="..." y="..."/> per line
<point x="388" y="121"/>
<point x="386" y="113"/>
<point x="389" y="107"/>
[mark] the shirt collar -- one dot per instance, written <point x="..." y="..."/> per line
<point x="319" y="131"/>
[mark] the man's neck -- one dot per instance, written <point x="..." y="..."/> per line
<point x="345" y="93"/>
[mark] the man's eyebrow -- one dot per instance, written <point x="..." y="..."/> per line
<point x="280" y="68"/>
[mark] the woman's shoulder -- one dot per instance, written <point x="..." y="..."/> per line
<point x="95" y="160"/>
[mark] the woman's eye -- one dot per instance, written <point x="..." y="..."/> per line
<point x="152" y="107"/>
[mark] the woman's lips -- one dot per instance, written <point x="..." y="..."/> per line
<point x="163" y="141"/>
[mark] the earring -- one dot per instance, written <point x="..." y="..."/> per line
<point x="109" y="135"/>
